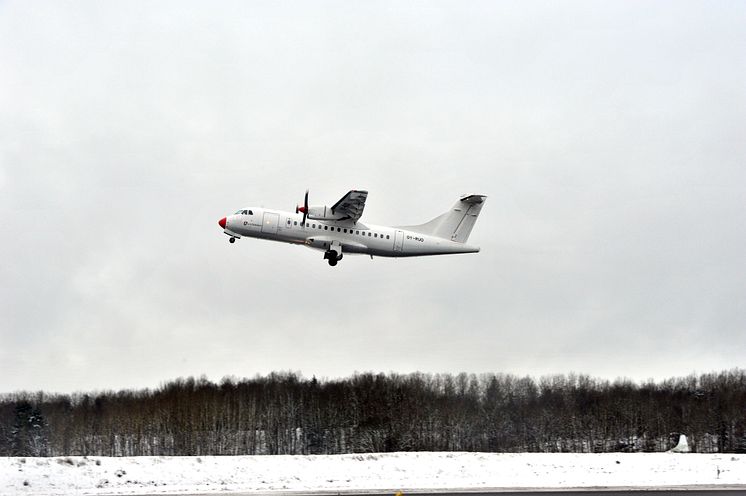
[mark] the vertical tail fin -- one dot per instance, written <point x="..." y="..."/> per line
<point x="457" y="223"/>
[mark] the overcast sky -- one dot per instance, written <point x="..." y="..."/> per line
<point x="608" y="136"/>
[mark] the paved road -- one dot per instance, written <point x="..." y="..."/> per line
<point x="587" y="492"/>
<point x="510" y="492"/>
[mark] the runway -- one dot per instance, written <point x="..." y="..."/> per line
<point x="679" y="491"/>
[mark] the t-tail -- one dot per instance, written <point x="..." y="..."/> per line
<point x="457" y="223"/>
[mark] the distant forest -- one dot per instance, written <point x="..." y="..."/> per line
<point x="284" y="413"/>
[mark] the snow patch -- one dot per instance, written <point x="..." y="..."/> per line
<point x="682" y="447"/>
<point x="389" y="472"/>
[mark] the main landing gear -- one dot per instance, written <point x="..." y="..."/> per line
<point x="332" y="257"/>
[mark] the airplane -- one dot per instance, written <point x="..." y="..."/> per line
<point x="337" y="230"/>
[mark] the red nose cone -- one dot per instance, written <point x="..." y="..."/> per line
<point x="221" y="222"/>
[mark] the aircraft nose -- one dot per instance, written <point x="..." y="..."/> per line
<point x="221" y="222"/>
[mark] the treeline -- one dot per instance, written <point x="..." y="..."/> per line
<point x="284" y="413"/>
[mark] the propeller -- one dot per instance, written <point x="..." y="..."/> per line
<point x="303" y="209"/>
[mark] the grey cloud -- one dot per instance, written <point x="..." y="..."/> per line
<point x="607" y="137"/>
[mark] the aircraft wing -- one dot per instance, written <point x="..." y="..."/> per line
<point x="351" y="205"/>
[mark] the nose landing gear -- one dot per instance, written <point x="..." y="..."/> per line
<point x="231" y="239"/>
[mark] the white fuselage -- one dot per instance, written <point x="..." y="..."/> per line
<point x="382" y="241"/>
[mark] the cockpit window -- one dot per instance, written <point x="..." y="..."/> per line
<point x="244" y="212"/>
<point x="251" y="213"/>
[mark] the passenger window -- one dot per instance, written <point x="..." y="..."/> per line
<point x="375" y="235"/>
<point x="295" y="223"/>
<point x="314" y="226"/>
<point x="369" y="235"/>
<point x="345" y="231"/>
<point x="326" y="228"/>
<point x="387" y="236"/>
<point x="357" y="232"/>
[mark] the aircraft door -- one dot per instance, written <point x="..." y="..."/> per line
<point x="269" y="223"/>
<point x="398" y="240"/>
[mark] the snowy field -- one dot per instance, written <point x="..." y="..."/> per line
<point x="376" y="472"/>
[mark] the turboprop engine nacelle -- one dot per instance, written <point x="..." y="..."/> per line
<point x="323" y="213"/>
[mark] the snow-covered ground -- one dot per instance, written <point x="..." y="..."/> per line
<point x="385" y="472"/>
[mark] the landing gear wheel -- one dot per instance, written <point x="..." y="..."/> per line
<point x="232" y="240"/>
<point x="332" y="257"/>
